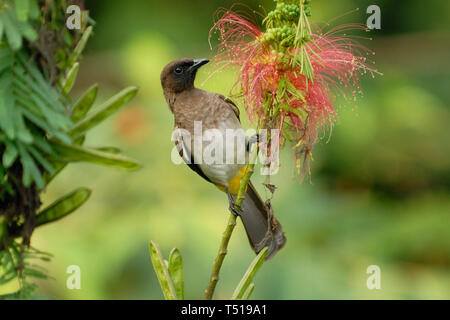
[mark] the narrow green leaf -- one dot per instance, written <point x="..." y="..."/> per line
<point x="41" y="159"/>
<point x="26" y="176"/>
<point x="113" y="150"/>
<point x="42" y="124"/>
<point x="53" y="118"/>
<point x="30" y="170"/>
<point x="299" y="112"/>
<point x="23" y="134"/>
<point x="11" y="30"/>
<point x="80" y="46"/>
<point x="161" y="272"/>
<point x="84" y="104"/>
<point x="6" y="57"/>
<point x="63" y="206"/>
<point x="72" y="153"/>
<point x="34" y="11"/>
<point x="16" y="118"/>
<point x="39" y="84"/>
<point x="35" y="274"/>
<point x="44" y="92"/>
<point x="6" y="108"/>
<point x="104" y="111"/>
<point x="30" y="85"/>
<point x="249" y="275"/>
<point x="248" y="292"/>
<point x="70" y="78"/>
<point x="175" y="266"/>
<point x="41" y="143"/>
<point x="57" y="168"/>
<point x="22" y="8"/>
<point x="27" y="31"/>
<point x="10" y="154"/>
<point x="79" y="141"/>
<point x="297" y="94"/>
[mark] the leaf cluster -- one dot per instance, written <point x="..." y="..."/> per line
<point x="171" y="276"/>
<point x="42" y="129"/>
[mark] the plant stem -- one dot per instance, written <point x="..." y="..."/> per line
<point x="209" y="291"/>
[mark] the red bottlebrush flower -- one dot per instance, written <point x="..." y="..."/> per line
<point x="288" y="74"/>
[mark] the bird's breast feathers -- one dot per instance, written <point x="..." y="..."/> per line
<point x="220" y="152"/>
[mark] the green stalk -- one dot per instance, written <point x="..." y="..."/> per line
<point x="209" y="291"/>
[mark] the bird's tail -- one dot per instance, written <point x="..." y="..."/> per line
<point x="263" y="230"/>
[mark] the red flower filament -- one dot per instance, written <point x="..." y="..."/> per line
<point x="279" y="89"/>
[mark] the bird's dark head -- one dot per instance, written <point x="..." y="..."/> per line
<point x="179" y="75"/>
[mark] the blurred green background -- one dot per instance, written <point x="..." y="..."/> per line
<point x="380" y="187"/>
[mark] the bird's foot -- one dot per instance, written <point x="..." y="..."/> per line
<point x="234" y="207"/>
<point x="233" y="210"/>
<point x="253" y="139"/>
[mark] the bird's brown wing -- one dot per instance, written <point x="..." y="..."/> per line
<point x="231" y="105"/>
<point x="188" y="158"/>
<point x="185" y="153"/>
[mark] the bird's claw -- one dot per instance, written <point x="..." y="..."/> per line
<point x="234" y="207"/>
<point x="253" y="139"/>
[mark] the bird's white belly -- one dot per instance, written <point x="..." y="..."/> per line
<point x="222" y="160"/>
<point x="221" y="173"/>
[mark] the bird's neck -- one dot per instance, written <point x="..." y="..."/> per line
<point x="171" y="96"/>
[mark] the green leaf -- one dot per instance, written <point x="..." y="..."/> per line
<point x="175" y="267"/>
<point x="22" y="8"/>
<point x="35" y="274"/>
<point x="113" y="150"/>
<point x="299" y="112"/>
<point x="57" y="168"/>
<point x="34" y="11"/>
<point x="104" y="111"/>
<point x="297" y="94"/>
<point x="42" y="124"/>
<point x="41" y="159"/>
<point x="11" y="30"/>
<point x="41" y="143"/>
<point x="63" y="206"/>
<point x="79" y="141"/>
<point x="249" y="275"/>
<point x="27" y="31"/>
<point x="10" y="154"/>
<point x="248" y="292"/>
<point x="23" y="134"/>
<point x="70" y="78"/>
<point x="6" y="108"/>
<point x="39" y="84"/>
<point x="162" y="272"/>
<point x="80" y="46"/>
<point x="6" y="57"/>
<point x="30" y="170"/>
<point x="72" y="153"/>
<point x="84" y="104"/>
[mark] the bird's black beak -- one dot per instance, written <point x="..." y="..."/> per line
<point x="198" y="63"/>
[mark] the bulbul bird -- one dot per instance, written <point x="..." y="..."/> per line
<point x="214" y="111"/>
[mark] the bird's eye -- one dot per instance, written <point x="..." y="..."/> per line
<point x="178" y="70"/>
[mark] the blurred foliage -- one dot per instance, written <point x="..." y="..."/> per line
<point x="41" y="128"/>
<point x="18" y="262"/>
<point x="379" y="192"/>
